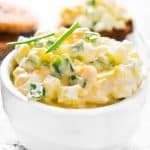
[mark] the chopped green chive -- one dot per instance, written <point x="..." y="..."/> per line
<point x="79" y="47"/>
<point x="102" y="63"/>
<point x="49" y="43"/>
<point x="61" y="65"/>
<point x="92" y="2"/>
<point x="91" y="36"/>
<point x="31" y="39"/>
<point x="57" y="65"/>
<point x="110" y="64"/>
<point x="33" y="86"/>
<point x="37" y="91"/>
<point x="75" y="79"/>
<point x="58" y="42"/>
<point x="69" y="62"/>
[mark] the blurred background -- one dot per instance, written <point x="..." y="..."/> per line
<point x="47" y="10"/>
<point x="47" y="13"/>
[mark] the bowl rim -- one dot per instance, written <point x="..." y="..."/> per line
<point x="6" y="81"/>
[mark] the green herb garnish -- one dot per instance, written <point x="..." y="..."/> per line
<point x="49" y="43"/>
<point x="69" y="62"/>
<point x="109" y="64"/>
<point x="32" y="86"/>
<point x="62" y="65"/>
<point x="101" y="62"/>
<point x="91" y="36"/>
<point x="75" y="79"/>
<point x="91" y="2"/>
<point x="79" y="47"/>
<point x="31" y="39"/>
<point x="58" y="42"/>
<point x="37" y="91"/>
<point x="57" y="65"/>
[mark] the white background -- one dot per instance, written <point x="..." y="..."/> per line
<point x="47" y="13"/>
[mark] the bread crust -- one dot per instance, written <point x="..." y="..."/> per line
<point x="16" y="20"/>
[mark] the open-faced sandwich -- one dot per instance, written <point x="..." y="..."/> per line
<point x="14" y="22"/>
<point x="103" y="16"/>
<point x="75" y="68"/>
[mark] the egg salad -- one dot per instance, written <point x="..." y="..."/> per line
<point x="98" y="15"/>
<point x="75" y="68"/>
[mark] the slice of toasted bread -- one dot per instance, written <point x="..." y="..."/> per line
<point x="119" y="34"/>
<point x="16" y="20"/>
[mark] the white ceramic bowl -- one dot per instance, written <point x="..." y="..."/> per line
<point x="42" y="127"/>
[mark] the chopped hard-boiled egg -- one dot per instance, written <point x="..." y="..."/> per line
<point x="80" y="69"/>
<point x="98" y="15"/>
<point x="71" y="93"/>
<point x="52" y="86"/>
